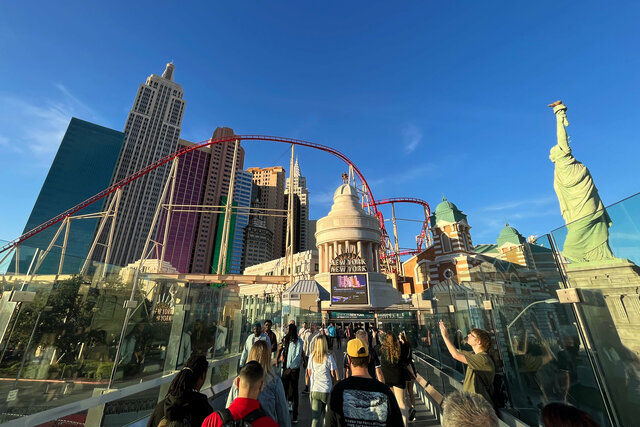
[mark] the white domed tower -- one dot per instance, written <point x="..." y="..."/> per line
<point x="348" y="241"/>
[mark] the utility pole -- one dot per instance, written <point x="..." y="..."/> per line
<point x="290" y="233"/>
<point x="395" y="236"/>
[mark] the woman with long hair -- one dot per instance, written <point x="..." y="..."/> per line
<point x="184" y="404"/>
<point x="291" y="359"/>
<point x="392" y="370"/>
<point x="322" y="371"/>
<point x="406" y="361"/>
<point x="272" y="398"/>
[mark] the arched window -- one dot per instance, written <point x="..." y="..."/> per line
<point x="422" y="272"/>
<point x="446" y="242"/>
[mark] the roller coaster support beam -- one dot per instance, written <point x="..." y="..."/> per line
<point x="224" y="245"/>
<point x="111" y="212"/>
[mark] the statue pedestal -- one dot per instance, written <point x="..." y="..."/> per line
<point x="614" y="285"/>
<point x="611" y="312"/>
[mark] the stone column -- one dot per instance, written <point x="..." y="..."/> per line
<point x="335" y="249"/>
<point x="376" y="257"/>
<point x="327" y="256"/>
<point x="347" y="246"/>
<point x="364" y="246"/>
<point x="321" y="257"/>
<point x="359" y="248"/>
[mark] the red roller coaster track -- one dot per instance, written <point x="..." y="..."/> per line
<point x="180" y="153"/>
<point x="423" y="230"/>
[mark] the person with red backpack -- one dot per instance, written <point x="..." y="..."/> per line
<point x="245" y="410"/>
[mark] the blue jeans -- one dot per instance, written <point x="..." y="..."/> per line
<point x="318" y="405"/>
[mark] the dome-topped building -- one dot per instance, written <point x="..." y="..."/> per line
<point x="513" y="247"/>
<point x="510" y="235"/>
<point x="348" y="229"/>
<point x="348" y="241"/>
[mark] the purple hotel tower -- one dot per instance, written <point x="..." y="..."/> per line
<point x="190" y="184"/>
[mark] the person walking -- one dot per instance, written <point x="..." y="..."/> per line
<point x="361" y="401"/>
<point x="406" y="362"/>
<point x="251" y="339"/>
<point x="184" y="403"/>
<point x="245" y="408"/>
<point x="271" y="335"/>
<point x="220" y="340"/>
<point x="323" y="372"/>
<point x="272" y="397"/>
<point x="303" y="334"/>
<point x="374" y="366"/>
<point x="480" y="369"/>
<point x="392" y="370"/>
<point x="331" y="333"/>
<point x="309" y="342"/>
<point x="291" y="359"/>
<point x="339" y="335"/>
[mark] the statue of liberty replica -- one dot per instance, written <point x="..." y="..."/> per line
<point x="609" y="286"/>
<point x="586" y="218"/>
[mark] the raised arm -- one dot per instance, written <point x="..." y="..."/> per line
<point x="452" y="349"/>
<point x="560" y="111"/>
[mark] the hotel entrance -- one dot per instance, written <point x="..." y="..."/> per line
<point x="342" y="319"/>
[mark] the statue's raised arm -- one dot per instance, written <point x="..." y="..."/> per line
<point x="560" y="111"/>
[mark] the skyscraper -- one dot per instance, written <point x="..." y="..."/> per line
<point x="193" y="168"/>
<point x="296" y="211"/>
<point x="271" y="183"/>
<point x="83" y="166"/>
<point x="217" y="186"/>
<point x="151" y="133"/>
<point x="258" y="239"/>
<point x="300" y="189"/>
<point x="241" y="197"/>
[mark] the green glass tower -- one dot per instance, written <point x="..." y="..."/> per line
<point x="83" y="166"/>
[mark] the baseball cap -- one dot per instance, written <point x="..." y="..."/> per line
<point x="257" y="325"/>
<point x="357" y="348"/>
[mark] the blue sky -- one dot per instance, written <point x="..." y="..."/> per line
<point x="427" y="98"/>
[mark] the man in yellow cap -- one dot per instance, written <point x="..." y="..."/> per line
<point x="361" y="401"/>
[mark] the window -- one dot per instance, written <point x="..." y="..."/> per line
<point x="446" y="242"/>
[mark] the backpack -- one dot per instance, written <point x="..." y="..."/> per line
<point x="499" y="395"/>
<point x="228" y="421"/>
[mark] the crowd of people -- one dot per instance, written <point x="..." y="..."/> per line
<point x="377" y="388"/>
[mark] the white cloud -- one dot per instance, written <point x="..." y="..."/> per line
<point x="412" y="136"/>
<point x="321" y="198"/>
<point x="406" y="175"/>
<point x="622" y="236"/>
<point x="39" y="126"/>
<point x="530" y="203"/>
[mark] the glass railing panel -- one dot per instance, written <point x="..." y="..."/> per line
<point x="540" y="351"/>
<point x="127" y="410"/>
<point x="610" y="308"/>
<point x="59" y="337"/>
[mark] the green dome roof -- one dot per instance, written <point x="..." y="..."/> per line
<point x="445" y="205"/>
<point x="510" y="235"/>
<point x="447" y="211"/>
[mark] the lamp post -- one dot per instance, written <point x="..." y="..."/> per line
<point x="545" y="301"/>
<point x="515" y="360"/>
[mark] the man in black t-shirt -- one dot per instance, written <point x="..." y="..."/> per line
<point x="361" y="401"/>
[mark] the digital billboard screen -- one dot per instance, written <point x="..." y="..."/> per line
<point x="349" y="289"/>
